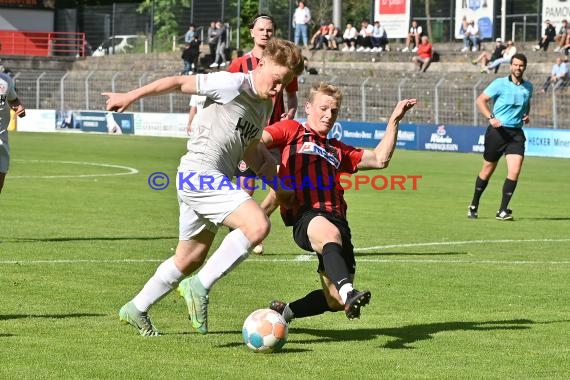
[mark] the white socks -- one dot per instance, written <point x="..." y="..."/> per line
<point x="166" y="277"/>
<point x="233" y="250"/>
<point x="343" y="291"/>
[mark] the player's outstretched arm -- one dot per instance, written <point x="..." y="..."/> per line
<point x="379" y="158"/>
<point x="119" y="102"/>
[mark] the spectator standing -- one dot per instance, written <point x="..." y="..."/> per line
<point x="222" y="37"/>
<point x="189" y="36"/>
<point x="190" y="55"/>
<point x="301" y="20"/>
<point x="424" y="55"/>
<point x="558" y="76"/>
<point x="364" y="37"/>
<point x="212" y="40"/>
<point x="349" y="38"/>
<point x="548" y="37"/>
<point x="414" y="37"/>
<point x="561" y="36"/>
<point x="379" y="37"/>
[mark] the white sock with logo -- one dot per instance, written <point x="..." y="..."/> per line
<point x="166" y="277"/>
<point x="344" y="290"/>
<point x="233" y="250"/>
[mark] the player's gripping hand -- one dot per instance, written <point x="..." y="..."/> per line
<point x="286" y="198"/>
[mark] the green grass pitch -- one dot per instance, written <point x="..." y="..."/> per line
<point x="451" y="297"/>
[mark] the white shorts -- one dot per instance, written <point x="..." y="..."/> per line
<point x="4" y="156"/>
<point x="204" y="208"/>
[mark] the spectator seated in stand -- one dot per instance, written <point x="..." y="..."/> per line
<point x="414" y="36"/>
<point x="349" y="38"/>
<point x="319" y="39"/>
<point x="379" y="38"/>
<point x="333" y="35"/>
<point x="485" y="57"/>
<point x="509" y="51"/>
<point x="424" y="55"/>
<point x="558" y="76"/>
<point x="364" y="37"/>
<point x="548" y="37"/>
<point x="561" y="36"/>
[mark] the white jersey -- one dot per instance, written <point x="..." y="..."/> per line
<point x="233" y="116"/>
<point x="7" y="94"/>
<point x="198" y="102"/>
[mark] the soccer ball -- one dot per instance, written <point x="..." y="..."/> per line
<point x="265" y="331"/>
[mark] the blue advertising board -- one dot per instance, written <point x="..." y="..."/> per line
<point x="368" y="135"/>
<point x="105" y="122"/>
<point x="451" y="138"/>
<point x="547" y="142"/>
<point x="448" y="138"/>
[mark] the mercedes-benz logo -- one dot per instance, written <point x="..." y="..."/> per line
<point x="336" y="131"/>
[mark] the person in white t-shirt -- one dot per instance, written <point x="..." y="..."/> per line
<point x="237" y="108"/>
<point x="301" y="20"/>
<point x="8" y="101"/>
<point x="196" y="105"/>
<point x="349" y="38"/>
<point x="413" y="39"/>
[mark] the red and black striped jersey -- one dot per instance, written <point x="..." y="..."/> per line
<point x="311" y="165"/>
<point x="247" y="63"/>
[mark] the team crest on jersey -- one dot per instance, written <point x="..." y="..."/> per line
<point x="312" y="148"/>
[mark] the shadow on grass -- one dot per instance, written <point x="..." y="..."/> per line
<point x="407" y="335"/>
<point x="4" y="335"/>
<point x="54" y="316"/>
<point x="92" y="238"/>
<point x="552" y="218"/>
<point x="384" y="253"/>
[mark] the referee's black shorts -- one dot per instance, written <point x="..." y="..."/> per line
<point x="302" y="239"/>
<point x="503" y="140"/>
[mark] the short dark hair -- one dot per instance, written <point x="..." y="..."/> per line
<point x="520" y="57"/>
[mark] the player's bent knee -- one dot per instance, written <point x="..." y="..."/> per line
<point x="256" y="231"/>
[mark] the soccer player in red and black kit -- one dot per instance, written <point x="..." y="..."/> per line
<point x="261" y="29"/>
<point x="319" y="214"/>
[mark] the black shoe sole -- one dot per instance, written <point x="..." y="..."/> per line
<point x="352" y="309"/>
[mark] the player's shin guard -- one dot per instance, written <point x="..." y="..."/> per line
<point x="335" y="266"/>
<point x="314" y="303"/>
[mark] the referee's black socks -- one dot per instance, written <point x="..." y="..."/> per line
<point x="508" y="189"/>
<point x="480" y="186"/>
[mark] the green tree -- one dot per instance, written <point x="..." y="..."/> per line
<point x="165" y="24"/>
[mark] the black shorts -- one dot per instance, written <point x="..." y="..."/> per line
<point x="302" y="240"/>
<point x="499" y="141"/>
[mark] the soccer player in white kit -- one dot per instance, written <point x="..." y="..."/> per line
<point x="230" y="126"/>
<point x="8" y="100"/>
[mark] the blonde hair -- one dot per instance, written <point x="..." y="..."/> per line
<point x="326" y="89"/>
<point x="285" y="53"/>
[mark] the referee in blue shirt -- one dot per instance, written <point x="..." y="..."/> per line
<point x="504" y="136"/>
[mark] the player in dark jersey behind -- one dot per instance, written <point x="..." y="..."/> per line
<point x="319" y="214"/>
<point x="262" y="28"/>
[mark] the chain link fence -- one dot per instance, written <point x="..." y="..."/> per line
<point x="442" y="98"/>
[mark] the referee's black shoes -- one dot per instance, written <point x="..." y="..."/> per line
<point x="472" y="212"/>
<point x="505" y="214"/>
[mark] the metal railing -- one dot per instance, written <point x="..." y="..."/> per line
<point x="443" y="98"/>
